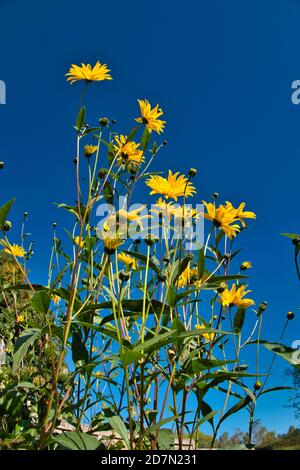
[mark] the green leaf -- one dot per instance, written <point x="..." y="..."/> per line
<point x="143" y="259"/>
<point x="276" y="389"/>
<point x="171" y="296"/>
<point x="23" y="342"/>
<point x="233" y="277"/>
<point x="76" y="441"/>
<point x="74" y="210"/>
<point x="152" y="429"/>
<point x="201" y="262"/>
<point x="290" y="235"/>
<point x="199" y="365"/>
<point x="88" y="130"/>
<point x="234" y="409"/>
<point x="118" y="425"/>
<point x="191" y="333"/>
<point x="165" y="439"/>
<point x="4" y="210"/>
<point x="145" y="139"/>
<point x="292" y="356"/>
<point x="154" y="343"/>
<point x="180" y="267"/>
<point x="207" y="413"/>
<point x="80" y="119"/>
<point x="127" y="357"/>
<point x="108" y="193"/>
<point x="129" y="305"/>
<point x="59" y="276"/>
<point x="239" y="320"/>
<point x="132" y="134"/>
<point x="41" y="301"/>
<point x="80" y="354"/>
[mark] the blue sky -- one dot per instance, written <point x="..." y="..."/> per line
<point x="222" y="71"/>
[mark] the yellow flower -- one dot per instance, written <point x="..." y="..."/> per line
<point x="172" y="187"/>
<point x="89" y="150"/>
<point x="98" y="374"/>
<point x="87" y="72"/>
<point x="128" y="260"/>
<point x="15" y="250"/>
<point x="190" y="277"/>
<point x="118" y="221"/>
<point x="56" y="299"/>
<point x="245" y="265"/>
<point x="76" y="240"/>
<point x="207" y="336"/>
<point x="128" y="152"/>
<point x="149" y="117"/>
<point x="223" y="217"/>
<point x="111" y="242"/>
<point x="240" y="215"/>
<point x="20" y="319"/>
<point x="178" y="211"/>
<point x="234" y="297"/>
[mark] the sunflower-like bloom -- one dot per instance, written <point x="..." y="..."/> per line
<point x="128" y="152"/>
<point x="190" y="277"/>
<point x="172" y="187"/>
<point x="223" y="217"/>
<point x="89" y="150"/>
<point x="79" y="242"/>
<point x="118" y="221"/>
<point x="111" y="242"/>
<point x="227" y="217"/>
<point x="235" y="297"/>
<point x="88" y="73"/>
<point x="240" y="214"/>
<point x="128" y="260"/>
<point x="149" y="116"/>
<point x="207" y="336"/>
<point x="177" y="211"/>
<point x="15" y="250"/>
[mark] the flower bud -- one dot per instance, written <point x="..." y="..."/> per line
<point x="171" y="354"/>
<point x="215" y="196"/>
<point x="162" y="277"/>
<point x="296" y="241"/>
<point x="1" y="165"/>
<point x="54" y="224"/>
<point x="290" y="315"/>
<point x="192" y="172"/>
<point x="150" y="240"/>
<point x="257" y="385"/>
<point x="25" y="215"/>
<point x="262" y="308"/>
<point x="102" y="173"/>
<point x="226" y="257"/>
<point x="113" y="121"/>
<point x="6" y="226"/>
<point x="245" y="265"/>
<point x="137" y="241"/>
<point x="104" y="121"/>
<point x="124" y="276"/>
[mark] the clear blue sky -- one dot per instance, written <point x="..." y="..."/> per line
<point x="221" y="70"/>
